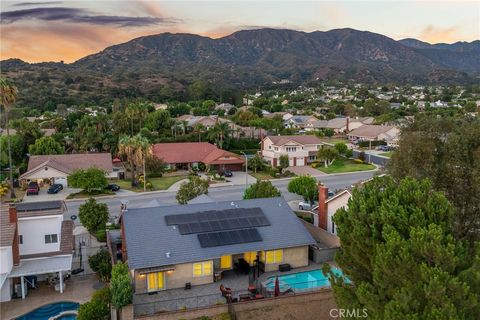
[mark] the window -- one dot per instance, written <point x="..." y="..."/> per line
<point x="272" y="256"/>
<point x="51" y="238"/>
<point x="202" y="269"/>
<point x="20" y="239"/>
<point x="276" y="148"/>
<point x="250" y="257"/>
<point x="156" y="281"/>
<point x="333" y="227"/>
<point x="291" y="149"/>
<point x="226" y="262"/>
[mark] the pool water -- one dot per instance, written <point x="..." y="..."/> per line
<point x="303" y="280"/>
<point x="51" y="310"/>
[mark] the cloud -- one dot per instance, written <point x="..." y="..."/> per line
<point x="434" y="34"/>
<point x="81" y="16"/>
<point x="26" y="4"/>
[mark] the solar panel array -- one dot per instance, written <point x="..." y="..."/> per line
<point x="211" y="221"/>
<point x="43" y="205"/>
<point x="223" y="238"/>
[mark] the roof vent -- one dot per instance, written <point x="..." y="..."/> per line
<point x="232" y="204"/>
<point x="167" y="254"/>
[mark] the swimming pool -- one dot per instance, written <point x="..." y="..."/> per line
<point x="51" y="310"/>
<point x="302" y="281"/>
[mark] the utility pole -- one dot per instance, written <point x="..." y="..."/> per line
<point x="144" y="176"/>
<point x="370" y="151"/>
<point x="246" y="170"/>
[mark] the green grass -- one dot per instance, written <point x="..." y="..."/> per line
<point x="387" y="154"/>
<point x="342" y="165"/>
<point x="334" y="140"/>
<point x="261" y="175"/>
<point x="162" y="183"/>
<point x="84" y="194"/>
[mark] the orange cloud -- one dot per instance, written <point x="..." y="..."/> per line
<point x="433" y="34"/>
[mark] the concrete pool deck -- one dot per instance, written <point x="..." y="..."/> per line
<point x="78" y="289"/>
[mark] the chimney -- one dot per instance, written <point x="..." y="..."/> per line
<point x="322" y="206"/>
<point x="348" y="125"/>
<point x="12" y="217"/>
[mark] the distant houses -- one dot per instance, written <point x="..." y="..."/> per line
<point x="390" y="134"/>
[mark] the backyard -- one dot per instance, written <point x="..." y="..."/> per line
<point x="346" y="165"/>
<point x="162" y="183"/>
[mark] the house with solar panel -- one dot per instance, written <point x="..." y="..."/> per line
<point x="184" y="246"/>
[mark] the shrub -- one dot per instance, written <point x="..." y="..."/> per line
<point x="101" y="263"/>
<point x="348" y="153"/>
<point x="101" y="235"/>
<point x="98" y="307"/>
<point x="120" y="286"/>
<point x="192" y="189"/>
<point x="357" y="160"/>
<point x="93" y="215"/>
<point x="90" y="180"/>
<point x="261" y="189"/>
<point x="361" y="156"/>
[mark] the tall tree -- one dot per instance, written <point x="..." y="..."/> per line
<point x="305" y="186"/>
<point x="220" y="133"/>
<point x="193" y="188"/>
<point x="135" y="149"/>
<point x="327" y="155"/>
<point x="399" y="252"/>
<point x="8" y="93"/>
<point x="446" y="151"/>
<point x="45" y="146"/>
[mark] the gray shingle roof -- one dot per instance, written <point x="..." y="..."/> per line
<point x="148" y="238"/>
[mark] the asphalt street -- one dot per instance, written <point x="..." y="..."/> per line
<point x="223" y="193"/>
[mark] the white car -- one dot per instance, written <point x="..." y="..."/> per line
<point x="305" y="205"/>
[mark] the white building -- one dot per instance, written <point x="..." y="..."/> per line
<point x="36" y="244"/>
<point x="301" y="150"/>
<point x="327" y="208"/>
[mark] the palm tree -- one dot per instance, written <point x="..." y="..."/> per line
<point x="8" y="93"/>
<point x="220" y="132"/>
<point x="199" y="128"/>
<point x="135" y="149"/>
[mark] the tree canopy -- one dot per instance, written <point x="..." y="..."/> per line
<point x="93" y="215"/>
<point x="45" y="146"/>
<point x="399" y="252"/>
<point x="193" y="188"/>
<point x="327" y="155"/>
<point x="120" y="286"/>
<point x="261" y="189"/>
<point x="305" y="186"/>
<point x="90" y="180"/>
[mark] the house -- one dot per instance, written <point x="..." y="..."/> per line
<point x="186" y="155"/>
<point x="301" y="150"/>
<point x="46" y="132"/>
<point x="225" y="107"/>
<point x="340" y="125"/>
<point x="35" y="241"/>
<point x="328" y="206"/>
<point x="183" y="246"/>
<point x="390" y="134"/>
<point x="284" y="115"/>
<point x="57" y="167"/>
<point x="299" y="121"/>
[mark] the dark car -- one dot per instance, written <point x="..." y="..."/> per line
<point x="55" y="188"/>
<point x="227" y="173"/>
<point x="113" y="187"/>
<point x="33" y="188"/>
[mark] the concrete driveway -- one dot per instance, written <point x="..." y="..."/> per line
<point x="238" y="178"/>
<point x="306" y="170"/>
<point x="44" y="196"/>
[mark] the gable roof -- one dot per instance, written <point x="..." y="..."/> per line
<point x="7" y="229"/>
<point x="369" y="130"/>
<point x="215" y="156"/>
<point x="149" y="238"/>
<point x="182" y="152"/>
<point x="68" y="163"/>
<point x="304" y="139"/>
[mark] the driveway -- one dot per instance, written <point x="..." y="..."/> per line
<point x="238" y="178"/>
<point x="306" y="170"/>
<point x="44" y="196"/>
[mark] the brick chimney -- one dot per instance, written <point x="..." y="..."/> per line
<point x="322" y="206"/>
<point x="12" y="217"/>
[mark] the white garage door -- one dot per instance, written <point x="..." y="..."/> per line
<point x="62" y="181"/>
<point x="300" y="162"/>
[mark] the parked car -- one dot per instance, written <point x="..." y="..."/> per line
<point x="227" y="173"/>
<point x="304" y="205"/>
<point x="55" y="188"/>
<point x="113" y="187"/>
<point x="33" y="188"/>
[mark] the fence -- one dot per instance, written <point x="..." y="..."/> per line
<point x="266" y="289"/>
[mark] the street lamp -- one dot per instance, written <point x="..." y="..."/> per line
<point x="246" y="170"/>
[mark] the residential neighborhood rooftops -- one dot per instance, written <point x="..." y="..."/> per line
<point x="29" y="209"/>
<point x="370" y="130"/>
<point x="304" y="139"/>
<point x="150" y="242"/>
<point x="7" y="228"/>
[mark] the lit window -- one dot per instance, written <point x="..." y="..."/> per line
<point x="202" y="269"/>
<point x="272" y="256"/>
<point x="156" y="281"/>
<point x="250" y="257"/>
<point x="226" y="262"/>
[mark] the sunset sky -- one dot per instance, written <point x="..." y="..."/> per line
<point x="46" y="30"/>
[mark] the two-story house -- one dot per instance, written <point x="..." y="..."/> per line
<point x="301" y="150"/>
<point x="299" y="121"/>
<point x="35" y="242"/>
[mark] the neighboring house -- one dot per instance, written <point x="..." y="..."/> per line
<point x="35" y="242"/>
<point x="340" y="125"/>
<point x="301" y="150"/>
<point x="57" y="167"/>
<point x="390" y="134"/>
<point x="328" y="206"/>
<point x="299" y="122"/>
<point x="46" y="132"/>
<point x="225" y="107"/>
<point x="191" y="245"/>
<point x="285" y="115"/>
<point x="186" y="155"/>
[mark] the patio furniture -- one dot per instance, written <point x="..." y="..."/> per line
<point x="217" y="276"/>
<point x="284" y="267"/>
<point x="188" y="286"/>
<point x="243" y="266"/>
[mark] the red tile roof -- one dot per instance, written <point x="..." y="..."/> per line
<point x="188" y="152"/>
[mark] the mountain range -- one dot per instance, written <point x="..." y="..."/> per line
<point x="253" y="58"/>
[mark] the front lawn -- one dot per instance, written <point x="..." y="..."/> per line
<point x="334" y="140"/>
<point x="387" y="154"/>
<point x="84" y="194"/>
<point x="343" y="165"/>
<point x="162" y="183"/>
<point x="261" y="175"/>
